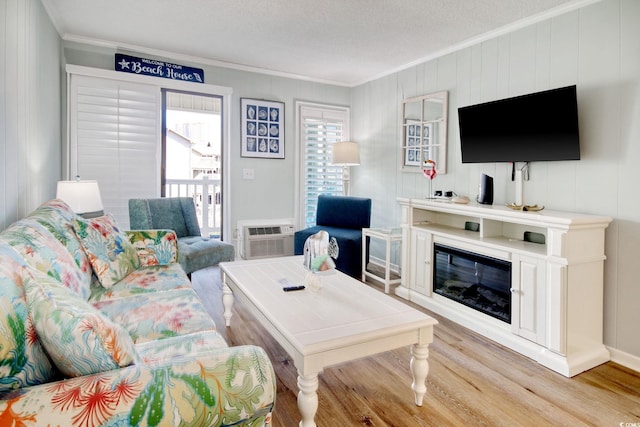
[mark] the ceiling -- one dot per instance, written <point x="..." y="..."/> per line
<point x="344" y="42"/>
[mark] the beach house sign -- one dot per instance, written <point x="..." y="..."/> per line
<point x="155" y="68"/>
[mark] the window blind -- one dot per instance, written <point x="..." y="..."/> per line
<point x="114" y="134"/>
<point x="320" y="129"/>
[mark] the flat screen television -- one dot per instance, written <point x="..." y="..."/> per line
<point x="541" y="126"/>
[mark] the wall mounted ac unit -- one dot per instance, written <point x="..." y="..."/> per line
<point x="265" y="240"/>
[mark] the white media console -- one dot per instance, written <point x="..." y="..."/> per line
<point x="556" y="276"/>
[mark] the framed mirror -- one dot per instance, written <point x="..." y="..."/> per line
<point x="424" y="132"/>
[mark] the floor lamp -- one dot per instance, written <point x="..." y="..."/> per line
<point x="345" y="154"/>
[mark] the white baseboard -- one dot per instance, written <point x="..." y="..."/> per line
<point x="625" y="359"/>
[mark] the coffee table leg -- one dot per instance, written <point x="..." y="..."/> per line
<point x="308" y="399"/>
<point x="419" y="368"/>
<point x="227" y="302"/>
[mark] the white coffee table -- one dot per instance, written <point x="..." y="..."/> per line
<point x="343" y="321"/>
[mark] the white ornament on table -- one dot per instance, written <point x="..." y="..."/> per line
<point x="319" y="255"/>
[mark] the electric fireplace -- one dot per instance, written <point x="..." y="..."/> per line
<point x="475" y="280"/>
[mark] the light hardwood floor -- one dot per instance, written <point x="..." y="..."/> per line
<point x="472" y="382"/>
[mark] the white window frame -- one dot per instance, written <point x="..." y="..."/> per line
<point x="330" y="112"/>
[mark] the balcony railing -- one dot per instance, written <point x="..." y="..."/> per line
<point x="206" y="194"/>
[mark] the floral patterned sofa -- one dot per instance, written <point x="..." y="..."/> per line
<point x="100" y="327"/>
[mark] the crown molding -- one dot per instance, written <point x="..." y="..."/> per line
<point x="124" y="47"/>
<point x="175" y="56"/>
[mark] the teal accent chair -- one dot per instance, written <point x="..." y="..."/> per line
<point x="195" y="252"/>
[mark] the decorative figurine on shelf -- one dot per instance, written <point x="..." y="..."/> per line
<point x="430" y="173"/>
<point x="319" y="253"/>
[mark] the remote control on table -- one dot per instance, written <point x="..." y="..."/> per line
<point x="290" y="286"/>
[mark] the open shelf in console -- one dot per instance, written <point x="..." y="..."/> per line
<point x="500" y="233"/>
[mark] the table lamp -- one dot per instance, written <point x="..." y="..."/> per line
<point x="82" y="196"/>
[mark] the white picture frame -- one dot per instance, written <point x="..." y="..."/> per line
<point x="262" y="128"/>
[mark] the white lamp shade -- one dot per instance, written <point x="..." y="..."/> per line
<point x="346" y="153"/>
<point x="81" y="196"/>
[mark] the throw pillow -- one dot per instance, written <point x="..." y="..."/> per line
<point x="23" y="361"/>
<point x="79" y="339"/>
<point x="57" y="217"/>
<point x="111" y="254"/>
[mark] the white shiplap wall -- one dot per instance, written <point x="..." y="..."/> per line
<point x="597" y="48"/>
<point x="30" y="108"/>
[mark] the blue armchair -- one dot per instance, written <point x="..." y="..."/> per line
<point x="343" y="217"/>
<point x="179" y="214"/>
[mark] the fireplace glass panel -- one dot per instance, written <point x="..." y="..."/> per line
<point x="477" y="281"/>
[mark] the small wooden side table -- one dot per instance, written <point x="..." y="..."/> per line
<point x="390" y="236"/>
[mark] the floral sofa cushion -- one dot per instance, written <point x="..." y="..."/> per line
<point x="57" y="217"/>
<point x="142" y="281"/>
<point x="194" y="344"/>
<point x="23" y="361"/>
<point x="159" y="315"/>
<point x="42" y="251"/>
<point x="154" y="247"/>
<point x="111" y="253"/>
<point x="79" y="339"/>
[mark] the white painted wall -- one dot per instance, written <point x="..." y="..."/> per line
<point x="598" y="49"/>
<point x="30" y="109"/>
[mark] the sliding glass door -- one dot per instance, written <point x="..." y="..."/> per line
<point x="192" y="152"/>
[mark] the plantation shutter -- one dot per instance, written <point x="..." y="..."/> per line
<point x="114" y="138"/>
<point x="320" y="129"/>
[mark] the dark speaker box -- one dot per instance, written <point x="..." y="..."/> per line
<point x="486" y="190"/>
